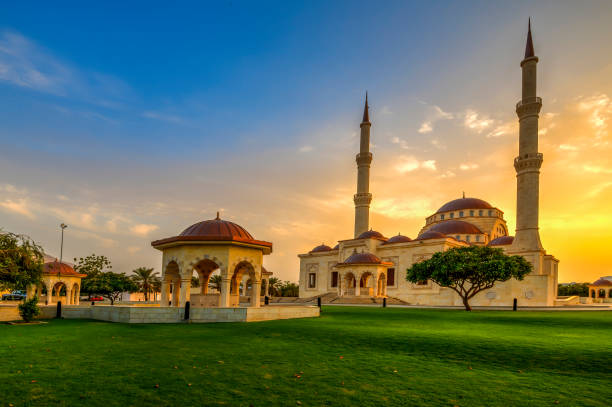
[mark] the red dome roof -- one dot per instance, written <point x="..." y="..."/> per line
<point x="321" y="248"/>
<point x="216" y="230"/>
<point x="398" y="239"/>
<point x="465" y="203"/>
<point x="431" y="235"/>
<point x="502" y="241"/>
<point x="55" y="267"/>
<point x="362" y="258"/>
<point x="450" y="227"/>
<point x="372" y="234"/>
<point x="602" y="282"/>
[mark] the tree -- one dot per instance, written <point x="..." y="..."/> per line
<point x="469" y="270"/>
<point x="144" y="277"/>
<point x="580" y="289"/>
<point x="110" y="285"/>
<point x="195" y="281"/>
<point x="29" y="309"/>
<point x="92" y="264"/>
<point x="215" y="282"/>
<point x="21" y="261"/>
<point x="289" y="289"/>
<point x="274" y="285"/>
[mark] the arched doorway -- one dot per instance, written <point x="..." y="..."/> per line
<point x="381" y="286"/>
<point x="243" y="272"/>
<point x="366" y="284"/>
<point x="203" y="271"/>
<point x="58" y="293"/>
<point x="350" y="283"/>
<point x="171" y="285"/>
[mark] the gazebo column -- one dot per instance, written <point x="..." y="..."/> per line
<point x="266" y="287"/>
<point x="358" y="286"/>
<point x="340" y="280"/>
<point x="185" y="291"/>
<point x="175" y="292"/>
<point x="77" y="296"/>
<point x="374" y="285"/>
<point x="225" y="292"/>
<point x="49" y="293"/>
<point x="256" y="291"/>
<point x="165" y="288"/>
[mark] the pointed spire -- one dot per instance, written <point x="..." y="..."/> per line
<point x="463" y="194"/>
<point x="529" y="52"/>
<point x="366" y="114"/>
<point x="218" y="217"/>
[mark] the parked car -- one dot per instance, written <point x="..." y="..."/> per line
<point x="17" y="295"/>
<point x="95" y="298"/>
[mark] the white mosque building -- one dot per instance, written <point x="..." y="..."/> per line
<point x="373" y="265"/>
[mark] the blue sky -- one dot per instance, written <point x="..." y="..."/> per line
<point x="134" y="120"/>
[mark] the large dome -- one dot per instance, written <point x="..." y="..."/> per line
<point x="464" y="203"/>
<point x="371" y="234"/>
<point x="398" y="239"/>
<point x="362" y="258"/>
<point x="502" y="241"/>
<point x="217" y="228"/>
<point x="321" y="248"/>
<point x="455" y="227"/>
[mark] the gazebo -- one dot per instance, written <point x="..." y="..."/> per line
<point x="601" y="290"/>
<point x="362" y="274"/>
<point x="206" y="247"/>
<point x="57" y="279"/>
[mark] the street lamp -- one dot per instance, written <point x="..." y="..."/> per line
<point x="63" y="226"/>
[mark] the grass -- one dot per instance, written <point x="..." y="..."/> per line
<point x="350" y="356"/>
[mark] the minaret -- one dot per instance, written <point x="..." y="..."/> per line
<point x="363" y="197"/>
<point x="529" y="160"/>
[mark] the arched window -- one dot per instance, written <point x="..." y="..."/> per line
<point x="442" y="217"/>
<point x="601" y="293"/>
<point x="480" y="212"/>
<point x="610" y="293"/>
<point x="592" y="293"/>
<point x="452" y="215"/>
<point x="471" y="213"/>
<point x="461" y="214"/>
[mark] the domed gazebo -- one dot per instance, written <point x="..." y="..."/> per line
<point x="205" y="247"/>
<point x="362" y="271"/>
<point x="61" y="283"/>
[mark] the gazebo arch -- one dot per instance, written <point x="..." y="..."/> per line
<point x="55" y="276"/>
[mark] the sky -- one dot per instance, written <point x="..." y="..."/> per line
<point x="132" y="121"/>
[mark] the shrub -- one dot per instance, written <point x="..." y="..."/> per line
<point x="29" y="309"/>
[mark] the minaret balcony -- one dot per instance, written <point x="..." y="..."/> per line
<point x="528" y="161"/>
<point x="529" y="106"/>
<point x="364" y="158"/>
<point x="362" y="199"/>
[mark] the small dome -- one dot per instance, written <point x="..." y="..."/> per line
<point x="450" y="227"/>
<point x="321" y="248"/>
<point x="55" y="267"/>
<point x="372" y="234"/>
<point x="464" y="203"/>
<point x="217" y="228"/>
<point x="398" y="239"/>
<point x="430" y="235"/>
<point x="501" y="241"/>
<point x="602" y="282"/>
<point x="336" y="247"/>
<point x="362" y="258"/>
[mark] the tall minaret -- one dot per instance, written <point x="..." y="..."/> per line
<point x="529" y="160"/>
<point x="363" y="197"/>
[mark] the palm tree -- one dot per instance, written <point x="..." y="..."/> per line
<point x="274" y="284"/>
<point x="215" y="282"/>
<point x="145" y="278"/>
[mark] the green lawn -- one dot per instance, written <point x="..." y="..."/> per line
<point x="350" y="356"/>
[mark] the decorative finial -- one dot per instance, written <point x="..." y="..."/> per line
<point x="218" y="217"/>
<point x="529" y="52"/>
<point x="366" y="114"/>
<point x="463" y="194"/>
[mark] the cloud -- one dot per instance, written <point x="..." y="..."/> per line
<point x="474" y="121"/>
<point x="143" y="229"/>
<point x="425" y="128"/>
<point x="20" y="206"/>
<point x="386" y="110"/>
<point x="504" y="130"/>
<point x="596" y="169"/>
<point x="305" y="149"/>
<point x="568" y="147"/>
<point x="468" y="166"/>
<point x="599" y="109"/>
<point x="163" y="117"/>
<point x="402" y="208"/>
<point x="133" y="249"/>
<point x="25" y="64"/>
<point x="410" y="163"/>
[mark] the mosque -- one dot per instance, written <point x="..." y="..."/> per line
<point x="372" y="265"/>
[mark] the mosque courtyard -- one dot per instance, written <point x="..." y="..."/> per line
<point x="357" y="356"/>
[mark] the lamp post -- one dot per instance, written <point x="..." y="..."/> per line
<point x="63" y="226"/>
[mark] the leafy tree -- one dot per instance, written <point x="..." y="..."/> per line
<point x="580" y="289"/>
<point x="92" y="264"/>
<point x="215" y="282"/>
<point x="144" y="277"/>
<point x="29" y="309"/>
<point x="110" y="285"/>
<point x="289" y="289"/>
<point x="21" y="261"/>
<point x="274" y="286"/>
<point x="469" y="270"/>
<point x="195" y="281"/>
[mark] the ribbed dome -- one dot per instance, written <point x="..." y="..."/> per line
<point x="372" y="234"/>
<point x="465" y="203"/>
<point x="450" y="227"/>
<point x="217" y="228"/>
<point x="602" y="282"/>
<point x="430" y="235"/>
<point x="398" y="239"/>
<point x="502" y="241"/>
<point x="362" y="258"/>
<point x="321" y="248"/>
<point x="55" y="267"/>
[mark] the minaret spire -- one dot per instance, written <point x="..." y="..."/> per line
<point x="529" y="160"/>
<point x="363" y="197"/>
<point x="529" y="52"/>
